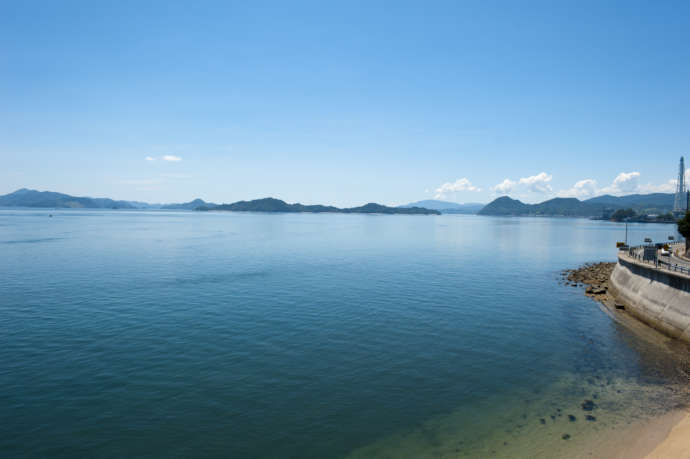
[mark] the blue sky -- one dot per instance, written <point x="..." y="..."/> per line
<point x="343" y="103"/>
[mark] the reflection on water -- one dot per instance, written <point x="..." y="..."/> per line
<point x="312" y="336"/>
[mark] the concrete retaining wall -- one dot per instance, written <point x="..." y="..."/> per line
<point x="657" y="297"/>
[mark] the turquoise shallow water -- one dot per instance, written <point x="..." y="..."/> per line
<point x="294" y="335"/>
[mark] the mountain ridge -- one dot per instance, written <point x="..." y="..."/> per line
<point x="572" y="207"/>
<point x="278" y="205"/>
<point x="25" y="197"/>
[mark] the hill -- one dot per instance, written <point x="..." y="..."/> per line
<point x="191" y="205"/>
<point x="32" y="198"/>
<point x="652" y="201"/>
<point x="447" y="207"/>
<point x="505" y="206"/>
<point x="655" y="203"/>
<point x="277" y="205"/>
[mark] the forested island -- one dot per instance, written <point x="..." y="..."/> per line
<point x="602" y="207"/>
<point x="277" y="205"/>
<point x="49" y="199"/>
<point x="653" y="207"/>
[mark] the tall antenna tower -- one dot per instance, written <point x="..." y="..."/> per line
<point x="680" y="203"/>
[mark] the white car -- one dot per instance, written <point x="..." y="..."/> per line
<point x="664" y="253"/>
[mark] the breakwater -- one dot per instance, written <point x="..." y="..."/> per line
<point x="657" y="296"/>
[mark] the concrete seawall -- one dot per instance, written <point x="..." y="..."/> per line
<point x="658" y="297"/>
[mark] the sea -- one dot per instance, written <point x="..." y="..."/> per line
<point x="260" y="335"/>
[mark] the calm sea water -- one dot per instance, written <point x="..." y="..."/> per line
<point x="178" y="334"/>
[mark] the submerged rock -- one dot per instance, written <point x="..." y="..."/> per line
<point x="566" y="437"/>
<point x="588" y="405"/>
<point x="572" y="418"/>
<point x="589" y="417"/>
<point x="542" y="421"/>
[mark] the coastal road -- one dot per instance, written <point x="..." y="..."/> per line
<point x="674" y="259"/>
<point x="678" y="261"/>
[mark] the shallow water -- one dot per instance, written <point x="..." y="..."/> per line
<point x="278" y="335"/>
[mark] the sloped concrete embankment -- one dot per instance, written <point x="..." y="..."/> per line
<point x="658" y="297"/>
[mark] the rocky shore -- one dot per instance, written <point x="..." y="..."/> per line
<point x="593" y="275"/>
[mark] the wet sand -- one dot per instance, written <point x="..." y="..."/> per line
<point x="676" y="444"/>
<point x="641" y="440"/>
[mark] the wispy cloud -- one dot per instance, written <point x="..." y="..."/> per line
<point x="461" y="184"/>
<point x="171" y="158"/>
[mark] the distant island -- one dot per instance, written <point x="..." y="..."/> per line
<point x="602" y="207"/>
<point x="276" y="205"/>
<point x="654" y="207"/>
<point x="32" y="198"/>
<point x="446" y="207"/>
<point x="191" y="205"/>
<point x="49" y="199"/>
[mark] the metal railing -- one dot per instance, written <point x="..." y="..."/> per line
<point x="637" y="254"/>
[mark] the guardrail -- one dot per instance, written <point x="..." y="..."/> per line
<point x="674" y="267"/>
<point x="637" y="253"/>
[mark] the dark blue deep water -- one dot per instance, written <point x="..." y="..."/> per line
<point x="179" y="334"/>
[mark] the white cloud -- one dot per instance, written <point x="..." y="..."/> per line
<point x="583" y="189"/>
<point x="149" y="158"/>
<point x="462" y="184"/>
<point x="668" y="187"/>
<point x="624" y="183"/>
<point x="504" y="187"/>
<point x="171" y="158"/>
<point x="535" y="184"/>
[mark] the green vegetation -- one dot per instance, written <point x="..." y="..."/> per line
<point x="649" y="204"/>
<point x="276" y="205"/>
<point x="622" y="215"/>
<point x="191" y="205"/>
<point x="33" y="198"/>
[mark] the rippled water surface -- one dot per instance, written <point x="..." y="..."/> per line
<point x="177" y="334"/>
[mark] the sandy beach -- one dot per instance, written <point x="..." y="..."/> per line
<point x="676" y="444"/>
<point x="659" y="437"/>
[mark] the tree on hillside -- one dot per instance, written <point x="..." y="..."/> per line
<point x="622" y="214"/>
<point x="684" y="229"/>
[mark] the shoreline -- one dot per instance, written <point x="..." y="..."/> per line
<point x="662" y="437"/>
<point x="656" y="438"/>
<point x="676" y="444"/>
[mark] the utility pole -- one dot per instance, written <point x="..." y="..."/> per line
<point x="626" y="233"/>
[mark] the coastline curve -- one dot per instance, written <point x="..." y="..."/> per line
<point x="658" y="297"/>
